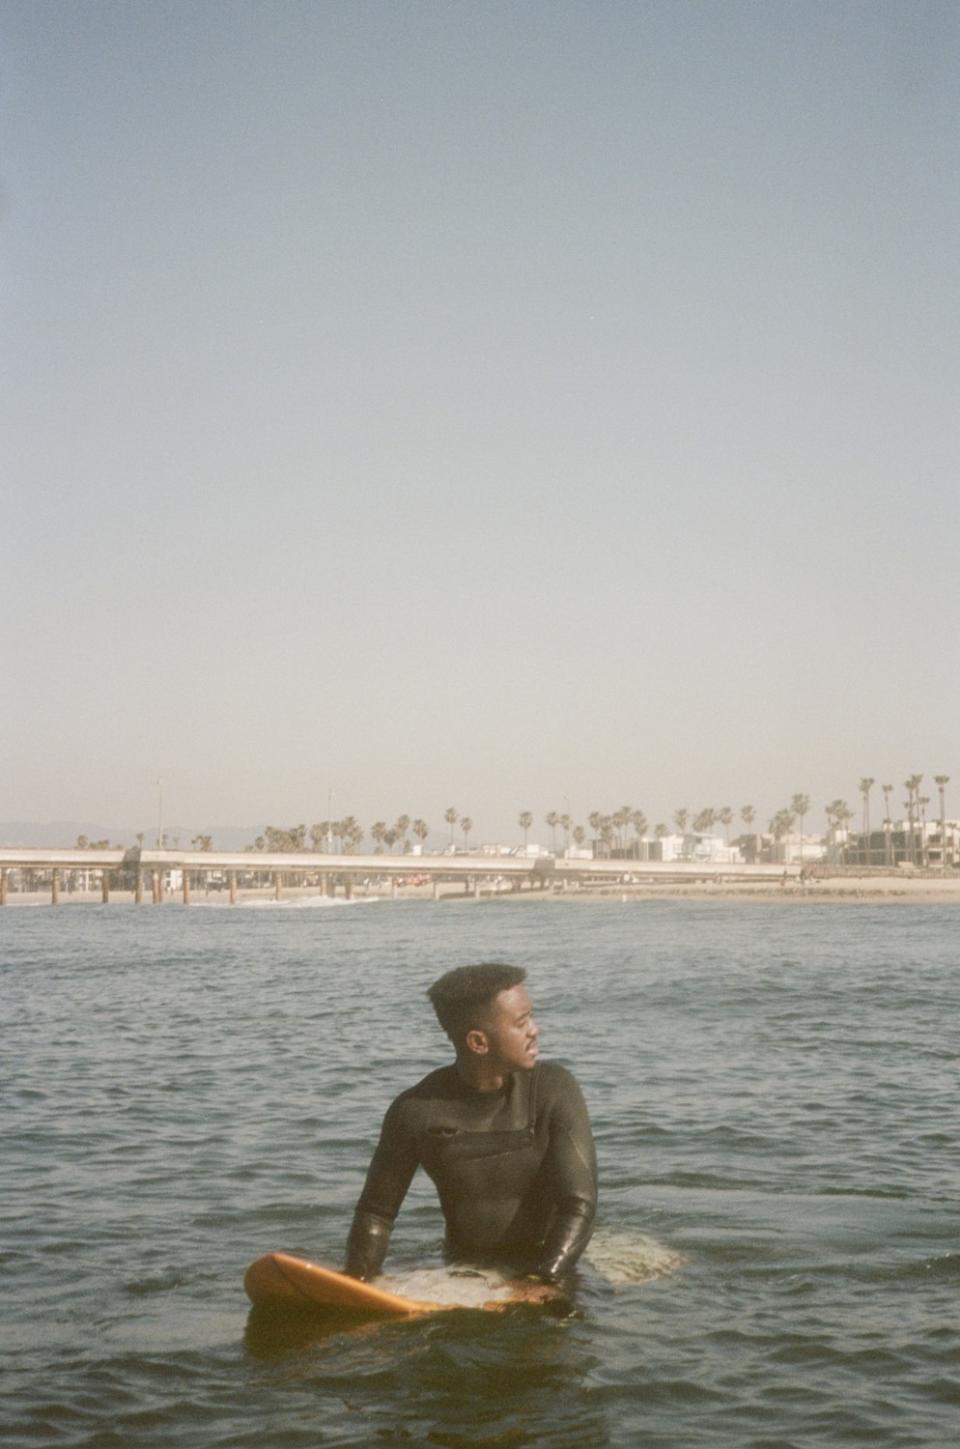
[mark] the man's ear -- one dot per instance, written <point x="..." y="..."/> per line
<point x="476" y="1041"/>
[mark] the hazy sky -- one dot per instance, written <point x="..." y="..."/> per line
<point x="506" y="405"/>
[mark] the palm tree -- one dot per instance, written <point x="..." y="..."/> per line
<point x="466" y="825"/>
<point x="639" y="822"/>
<point x="800" y="804"/>
<point x="565" y="824"/>
<point x="553" y="820"/>
<point x="525" y="820"/>
<point x="401" y="827"/>
<point x="887" y="824"/>
<point x="378" y="833"/>
<point x="781" y="824"/>
<point x="923" y="801"/>
<point x="941" y="782"/>
<point x="725" y="818"/>
<point x="866" y="785"/>
<point x="838" y="816"/>
<point x="579" y="836"/>
<point x="680" y="818"/>
<point x="748" y="815"/>
<point x="912" y="787"/>
<point x="390" y="837"/>
<point x="420" y="829"/>
<point x="451" y="817"/>
<point x="621" y="819"/>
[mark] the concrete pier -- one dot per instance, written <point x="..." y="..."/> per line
<point x="19" y="867"/>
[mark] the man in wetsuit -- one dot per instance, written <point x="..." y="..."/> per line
<point x="505" y="1139"/>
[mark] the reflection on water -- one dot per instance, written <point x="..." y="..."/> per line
<point x="271" y="1335"/>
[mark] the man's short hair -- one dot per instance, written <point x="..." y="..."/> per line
<point x="461" y="996"/>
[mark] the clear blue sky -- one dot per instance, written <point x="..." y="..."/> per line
<point x="500" y="405"/>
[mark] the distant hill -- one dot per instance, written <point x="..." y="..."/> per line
<point x="61" y="834"/>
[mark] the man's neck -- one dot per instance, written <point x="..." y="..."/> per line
<point x="479" y="1074"/>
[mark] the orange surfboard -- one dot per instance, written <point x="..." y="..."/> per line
<point x="281" y="1281"/>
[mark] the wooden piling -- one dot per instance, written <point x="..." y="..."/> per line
<point x="105" y="887"/>
<point x="54" y="887"/>
<point x="232" y="881"/>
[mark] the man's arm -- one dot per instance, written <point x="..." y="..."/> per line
<point x="572" y="1160"/>
<point x="388" y="1178"/>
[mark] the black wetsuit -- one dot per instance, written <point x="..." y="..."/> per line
<point x="515" y="1170"/>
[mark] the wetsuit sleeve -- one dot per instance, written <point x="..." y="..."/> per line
<point x="389" y="1176"/>
<point x="572" y="1163"/>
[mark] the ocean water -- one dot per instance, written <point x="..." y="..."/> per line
<point x="774" y="1096"/>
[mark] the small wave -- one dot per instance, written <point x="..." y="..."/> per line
<point x="160" y="1282"/>
<point x="946" y="1265"/>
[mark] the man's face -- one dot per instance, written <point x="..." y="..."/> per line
<point x="511" y="1031"/>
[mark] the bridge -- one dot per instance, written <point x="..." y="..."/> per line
<point x="139" y="866"/>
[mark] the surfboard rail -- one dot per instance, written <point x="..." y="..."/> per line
<point x="284" y="1281"/>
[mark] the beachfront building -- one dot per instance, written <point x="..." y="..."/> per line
<point x="795" y="849"/>
<point x="902" y="844"/>
<point x="712" y="849"/>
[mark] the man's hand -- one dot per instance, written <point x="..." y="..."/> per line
<point x="530" y="1290"/>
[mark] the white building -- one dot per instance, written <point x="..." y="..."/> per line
<point x="710" y="849"/>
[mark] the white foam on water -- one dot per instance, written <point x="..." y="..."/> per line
<point x="624" y="1257"/>
<point x="444" y="1285"/>
<point x="621" y="1257"/>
